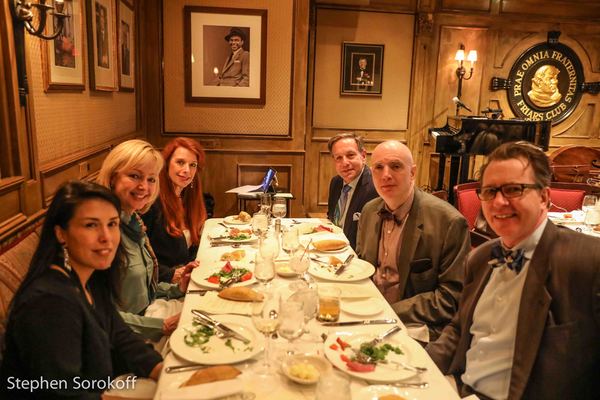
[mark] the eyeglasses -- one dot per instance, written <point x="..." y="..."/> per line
<point x="509" y="190"/>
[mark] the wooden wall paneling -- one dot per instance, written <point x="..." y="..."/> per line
<point x="466" y="5"/>
<point x="552" y="8"/>
<point x="372" y="5"/>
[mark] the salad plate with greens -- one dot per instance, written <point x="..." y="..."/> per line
<point x="228" y="274"/>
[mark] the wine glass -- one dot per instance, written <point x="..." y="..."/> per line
<point x="279" y="208"/>
<point x="264" y="269"/>
<point x="265" y="203"/>
<point x="589" y="201"/>
<point x="268" y="246"/>
<point x="290" y="240"/>
<point x="260" y="223"/>
<point x="291" y="321"/>
<point x="592" y="218"/>
<point x="265" y="317"/>
<point x="310" y="300"/>
<point x="299" y="263"/>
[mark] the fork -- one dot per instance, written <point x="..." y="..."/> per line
<point x="218" y="333"/>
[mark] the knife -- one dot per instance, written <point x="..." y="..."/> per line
<point x="319" y="261"/>
<point x="221" y="326"/>
<point x="344" y="265"/>
<point x="362" y="322"/>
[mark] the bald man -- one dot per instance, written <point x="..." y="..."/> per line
<point x="417" y="242"/>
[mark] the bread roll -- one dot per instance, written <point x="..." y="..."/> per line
<point x="240" y="293"/>
<point x="330" y="245"/>
<point x="212" y="374"/>
<point x="235" y="255"/>
<point x="391" y="397"/>
<point x="244" y="216"/>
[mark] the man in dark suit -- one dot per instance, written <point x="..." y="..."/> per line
<point x="417" y="241"/>
<point x="352" y="187"/>
<point x="528" y="324"/>
<point x="236" y="71"/>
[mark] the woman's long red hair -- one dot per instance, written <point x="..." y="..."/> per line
<point x="191" y="212"/>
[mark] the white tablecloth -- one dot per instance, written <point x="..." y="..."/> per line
<point x="439" y="388"/>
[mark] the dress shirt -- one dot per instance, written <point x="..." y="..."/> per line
<point x="386" y="276"/>
<point x="350" y="193"/>
<point x="489" y="360"/>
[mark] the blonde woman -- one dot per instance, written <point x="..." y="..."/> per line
<point x="131" y="171"/>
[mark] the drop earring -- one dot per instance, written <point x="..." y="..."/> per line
<point x="67" y="264"/>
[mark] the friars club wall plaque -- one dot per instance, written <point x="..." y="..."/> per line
<point x="546" y="82"/>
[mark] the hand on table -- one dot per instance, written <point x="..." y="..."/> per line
<point x="183" y="275"/>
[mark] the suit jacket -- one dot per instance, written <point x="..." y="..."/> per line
<point x="364" y="192"/>
<point x="557" y="347"/>
<point x="236" y="71"/>
<point x="435" y="243"/>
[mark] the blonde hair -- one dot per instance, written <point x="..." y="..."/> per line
<point x="127" y="155"/>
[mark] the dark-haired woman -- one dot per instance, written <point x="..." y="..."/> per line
<point x="63" y="326"/>
<point x="176" y="219"/>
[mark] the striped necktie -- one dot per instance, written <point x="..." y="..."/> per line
<point x="341" y="205"/>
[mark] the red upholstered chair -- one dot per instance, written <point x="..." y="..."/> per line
<point x="467" y="202"/>
<point x="566" y="199"/>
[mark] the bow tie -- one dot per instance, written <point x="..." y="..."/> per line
<point x="513" y="259"/>
<point x="385" y="215"/>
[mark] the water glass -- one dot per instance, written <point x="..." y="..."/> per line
<point x="333" y="386"/>
<point x="265" y="203"/>
<point x="310" y="300"/>
<point x="265" y="317"/>
<point x="589" y="201"/>
<point x="329" y="303"/>
<point x="291" y="320"/>
<point x="264" y="269"/>
<point x="260" y="223"/>
<point x="279" y="208"/>
<point x="290" y="240"/>
<point x="268" y="246"/>
<point x="592" y="217"/>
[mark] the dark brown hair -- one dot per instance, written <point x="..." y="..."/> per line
<point x="346" y="135"/>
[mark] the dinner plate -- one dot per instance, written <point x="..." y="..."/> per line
<point x="216" y="351"/>
<point x="354" y="291"/>
<point x="321" y="365"/>
<point x="383" y="373"/>
<point x="356" y="271"/>
<point x="199" y="275"/>
<point x="229" y="240"/>
<point x="362" y="307"/>
<point x="375" y="392"/>
<point x="306" y="228"/>
<point x="233" y="220"/>
<point x="574" y="217"/>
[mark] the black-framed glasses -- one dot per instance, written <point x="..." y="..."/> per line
<point x="509" y="190"/>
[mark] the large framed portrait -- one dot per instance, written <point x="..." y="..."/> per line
<point x="62" y="58"/>
<point x="126" y="29"/>
<point x="102" y="44"/>
<point x="362" y="69"/>
<point x="225" y="55"/>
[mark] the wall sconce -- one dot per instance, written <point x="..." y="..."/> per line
<point x="461" y="70"/>
<point x="23" y="13"/>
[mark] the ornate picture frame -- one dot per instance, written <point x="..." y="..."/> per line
<point x="126" y="47"/>
<point x="62" y="57"/>
<point x="102" y="44"/>
<point x="362" y="69"/>
<point x="225" y="52"/>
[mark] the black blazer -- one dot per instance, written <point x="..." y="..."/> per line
<point x="364" y="192"/>
<point x="171" y="251"/>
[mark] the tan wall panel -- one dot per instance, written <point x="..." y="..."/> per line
<point x="11" y="206"/>
<point x="388" y="112"/>
<point x="396" y="5"/>
<point x="271" y="119"/>
<point x="562" y="8"/>
<point x="66" y="123"/>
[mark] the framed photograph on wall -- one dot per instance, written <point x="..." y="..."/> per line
<point x="126" y="29"/>
<point x="102" y="44"/>
<point x="225" y="53"/>
<point x="62" y="59"/>
<point x="362" y="69"/>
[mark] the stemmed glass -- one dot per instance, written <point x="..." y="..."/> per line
<point x="589" y="201"/>
<point x="299" y="263"/>
<point x="290" y="240"/>
<point x="265" y="317"/>
<point x="265" y="203"/>
<point x="291" y="325"/>
<point x="268" y="246"/>
<point x="264" y="269"/>
<point x="260" y="223"/>
<point x="310" y="300"/>
<point x="279" y="208"/>
<point x="592" y="218"/>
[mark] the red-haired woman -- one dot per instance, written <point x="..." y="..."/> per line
<point x="174" y="222"/>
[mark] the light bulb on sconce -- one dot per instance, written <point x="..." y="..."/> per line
<point x="461" y="70"/>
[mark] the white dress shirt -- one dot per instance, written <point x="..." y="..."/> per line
<point x="489" y="360"/>
<point x="350" y="194"/>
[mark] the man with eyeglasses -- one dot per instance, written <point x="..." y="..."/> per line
<point x="417" y="241"/>
<point x="528" y="324"/>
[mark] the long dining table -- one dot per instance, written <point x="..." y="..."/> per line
<point x="281" y="387"/>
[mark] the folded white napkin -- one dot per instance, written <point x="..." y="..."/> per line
<point x="205" y="391"/>
<point x="418" y="332"/>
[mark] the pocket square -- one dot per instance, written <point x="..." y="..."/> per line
<point x="237" y="61"/>
<point x="356" y="216"/>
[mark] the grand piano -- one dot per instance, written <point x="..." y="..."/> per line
<point x="466" y="136"/>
